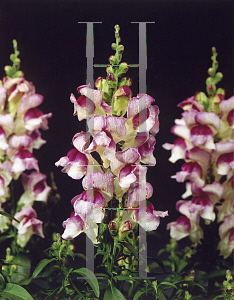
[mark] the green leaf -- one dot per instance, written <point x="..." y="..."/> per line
<point x="113" y="294"/>
<point x="102" y="228"/>
<point x="15" y="292"/>
<point x="41" y="266"/>
<point x="138" y="294"/>
<point x="159" y="262"/>
<point x="2" y="282"/>
<point x="130" y="247"/>
<point x="9" y="216"/>
<point x="90" y="277"/>
<point x="161" y="297"/>
<point x="189" y="282"/>
<point x="213" y="274"/>
<point x="182" y="265"/>
<point x="167" y="283"/>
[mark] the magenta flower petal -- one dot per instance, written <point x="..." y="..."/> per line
<point x="146" y="151"/>
<point x="29" y="102"/>
<point x="73" y="227"/>
<point x="116" y="127"/>
<point x="24" y="160"/>
<point x="139" y="103"/>
<point x="103" y="182"/>
<point x="129" y="156"/>
<point x="2" y="97"/>
<point x="177" y="149"/>
<point x="137" y="193"/>
<point x="191" y="104"/>
<point x="180" y="229"/>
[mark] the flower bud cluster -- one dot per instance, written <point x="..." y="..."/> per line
<point x="20" y="124"/>
<point x="121" y="131"/>
<point x="205" y="142"/>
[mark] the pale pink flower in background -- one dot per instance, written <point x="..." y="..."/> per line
<point x="226" y="233"/>
<point x="4" y="221"/>
<point x="6" y="176"/>
<point x="35" y="188"/>
<point x="28" y="225"/>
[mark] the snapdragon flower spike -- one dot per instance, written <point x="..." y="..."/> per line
<point x="122" y="144"/>
<point x="206" y="143"/>
<point x="28" y="225"/>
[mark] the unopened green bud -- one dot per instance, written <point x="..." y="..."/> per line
<point x="71" y="247"/>
<point x="113" y="46"/>
<point x="218" y="77"/>
<point x="113" y="60"/>
<point x="120" y="48"/>
<point x="202" y="99"/>
<point x="123" y="68"/>
<point x="98" y="82"/>
<point x="13" y="268"/>
<point x="5" y="270"/>
<point x="109" y="69"/>
<point x="7" y="69"/>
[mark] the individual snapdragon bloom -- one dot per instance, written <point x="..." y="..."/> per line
<point x="35" y="188"/>
<point x="226" y="233"/>
<point x="20" y="152"/>
<point x="88" y="211"/>
<point x="140" y="209"/>
<point x="224" y="157"/>
<point x="197" y="128"/>
<point x="102" y="182"/>
<point x="16" y="89"/>
<point x="28" y="225"/>
<point x="227" y="119"/>
<point x="226" y="205"/>
<point x="184" y="227"/>
<point x="89" y="103"/>
<point x="142" y="119"/>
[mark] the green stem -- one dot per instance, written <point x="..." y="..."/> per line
<point x="113" y="255"/>
<point x="78" y="292"/>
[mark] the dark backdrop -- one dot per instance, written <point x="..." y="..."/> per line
<point x="52" y="50"/>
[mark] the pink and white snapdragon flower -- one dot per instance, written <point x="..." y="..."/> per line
<point x="28" y="225"/>
<point x="206" y="144"/>
<point x="20" y="124"/>
<point x="120" y="131"/>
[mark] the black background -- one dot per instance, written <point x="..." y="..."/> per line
<point x="53" y="56"/>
